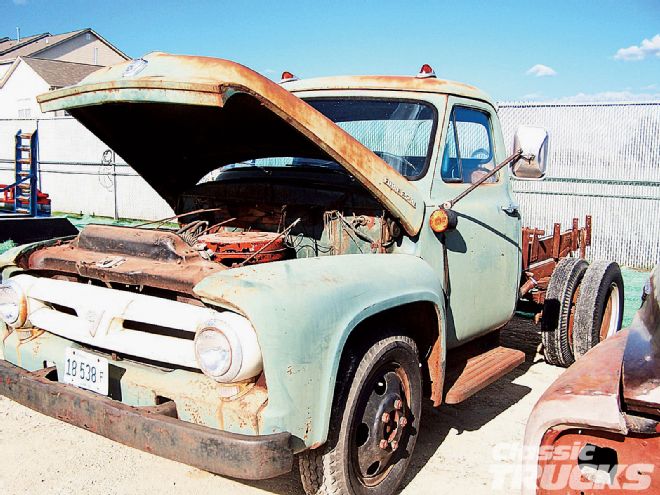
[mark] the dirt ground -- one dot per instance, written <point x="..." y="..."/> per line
<point x="455" y="450"/>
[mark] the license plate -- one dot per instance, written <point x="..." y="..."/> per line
<point x="86" y="370"/>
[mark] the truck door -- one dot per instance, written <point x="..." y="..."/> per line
<point x="482" y="254"/>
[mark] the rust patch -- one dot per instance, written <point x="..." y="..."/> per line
<point x="152" y="258"/>
<point x="632" y="452"/>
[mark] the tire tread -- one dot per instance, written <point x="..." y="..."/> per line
<point x="555" y="324"/>
<point x="591" y="303"/>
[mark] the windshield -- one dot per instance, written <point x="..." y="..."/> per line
<point x="398" y="131"/>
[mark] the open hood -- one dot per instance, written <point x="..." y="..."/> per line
<point x="175" y="118"/>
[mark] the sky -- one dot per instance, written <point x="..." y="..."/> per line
<point x="516" y="50"/>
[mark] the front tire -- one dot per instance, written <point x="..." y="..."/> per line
<point x="374" y="423"/>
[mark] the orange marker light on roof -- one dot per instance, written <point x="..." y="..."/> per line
<point x="443" y="220"/>
<point x="288" y="77"/>
<point x="426" y="71"/>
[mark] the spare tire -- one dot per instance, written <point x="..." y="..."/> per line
<point x="599" y="309"/>
<point x="558" y="308"/>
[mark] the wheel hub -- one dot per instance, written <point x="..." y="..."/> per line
<point x="383" y="424"/>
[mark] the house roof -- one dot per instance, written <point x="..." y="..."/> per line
<point x="33" y="45"/>
<point x="58" y="73"/>
<point x="7" y="45"/>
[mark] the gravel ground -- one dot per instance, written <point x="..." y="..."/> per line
<point x="455" y="450"/>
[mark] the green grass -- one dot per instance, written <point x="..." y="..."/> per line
<point x="633" y="281"/>
<point x="81" y="220"/>
<point x="6" y="245"/>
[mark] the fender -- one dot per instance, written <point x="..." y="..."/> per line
<point x="303" y="311"/>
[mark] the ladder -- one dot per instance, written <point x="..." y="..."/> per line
<point x="26" y="166"/>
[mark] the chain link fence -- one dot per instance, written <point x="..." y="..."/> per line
<point x="604" y="162"/>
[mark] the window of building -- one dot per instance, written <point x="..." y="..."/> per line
<point x="24" y="108"/>
<point x="468" y="152"/>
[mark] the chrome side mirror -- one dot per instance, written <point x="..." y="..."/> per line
<point x="533" y="143"/>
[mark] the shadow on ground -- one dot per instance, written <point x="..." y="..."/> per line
<point x="469" y="415"/>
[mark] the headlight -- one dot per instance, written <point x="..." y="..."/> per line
<point x="226" y="348"/>
<point x="13" y="304"/>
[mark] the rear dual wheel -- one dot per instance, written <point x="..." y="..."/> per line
<point x="374" y="423"/>
<point x="559" y="311"/>
<point x="599" y="306"/>
<point x="583" y="306"/>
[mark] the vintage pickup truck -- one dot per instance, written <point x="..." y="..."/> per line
<point x="342" y="248"/>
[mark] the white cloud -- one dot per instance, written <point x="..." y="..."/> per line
<point x="640" y="52"/>
<point x="609" y="96"/>
<point x="20" y="2"/>
<point x="540" y="70"/>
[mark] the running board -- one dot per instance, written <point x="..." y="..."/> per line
<point x="470" y="374"/>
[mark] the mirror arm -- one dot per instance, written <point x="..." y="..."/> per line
<point x="516" y="156"/>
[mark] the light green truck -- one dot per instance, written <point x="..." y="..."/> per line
<point x="343" y="249"/>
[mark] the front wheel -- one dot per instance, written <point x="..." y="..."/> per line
<point x="374" y="423"/>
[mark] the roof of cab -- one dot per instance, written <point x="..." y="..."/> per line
<point x="389" y="83"/>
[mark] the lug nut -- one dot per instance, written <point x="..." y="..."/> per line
<point x="398" y="404"/>
<point x="403" y="422"/>
<point x="394" y="444"/>
<point x="386" y="417"/>
<point x="383" y="444"/>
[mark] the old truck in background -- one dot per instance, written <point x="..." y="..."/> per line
<point x="344" y="247"/>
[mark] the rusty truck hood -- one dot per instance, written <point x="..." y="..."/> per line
<point x="175" y="118"/>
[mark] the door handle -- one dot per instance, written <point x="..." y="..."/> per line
<point x="511" y="208"/>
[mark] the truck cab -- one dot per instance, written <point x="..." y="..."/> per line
<point x="451" y="138"/>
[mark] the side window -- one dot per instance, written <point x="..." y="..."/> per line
<point x="468" y="152"/>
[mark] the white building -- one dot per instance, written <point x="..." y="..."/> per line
<point x="36" y="64"/>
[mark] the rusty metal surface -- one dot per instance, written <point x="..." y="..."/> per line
<point x="540" y="255"/>
<point x="139" y="257"/>
<point x="536" y="248"/>
<point x="587" y="394"/>
<point x="255" y="247"/>
<point x="241" y="104"/>
<point x="641" y="361"/>
<point x="391" y="83"/>
<point x="482" y="370"/>
<point x="634" y="454"/>
<point x="229" y="454"/>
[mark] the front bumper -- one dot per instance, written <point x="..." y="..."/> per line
<point x="148" y="429"/>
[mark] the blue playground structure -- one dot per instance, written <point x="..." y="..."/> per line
<point x="24" y="210"/>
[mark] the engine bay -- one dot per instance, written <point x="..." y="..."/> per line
<point x="225" y="225"/>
